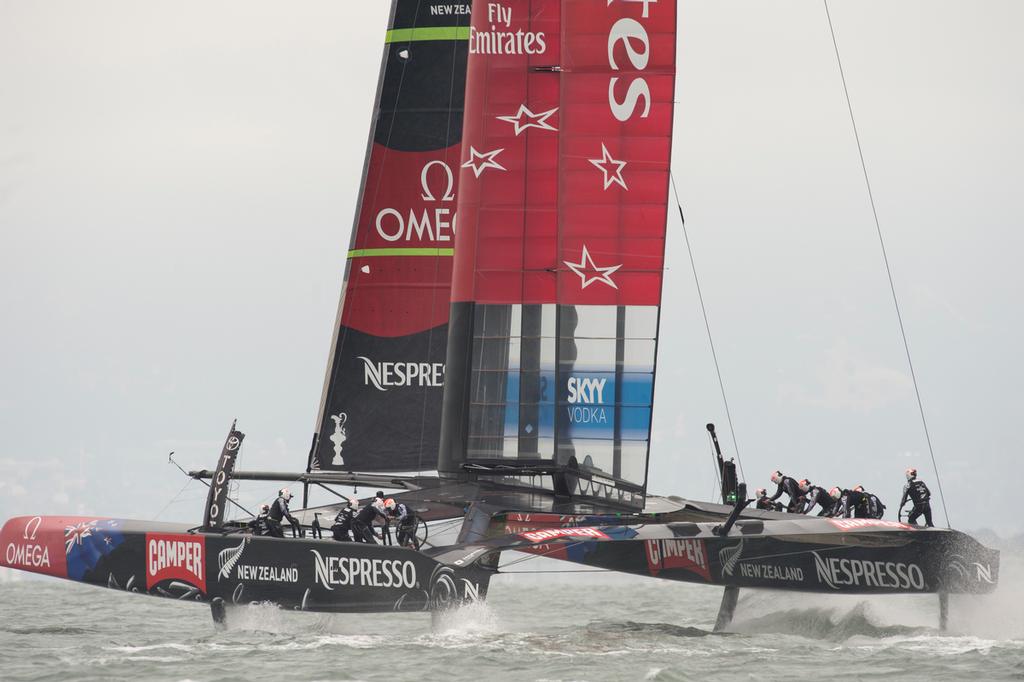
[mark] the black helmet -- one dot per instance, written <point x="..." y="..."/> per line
<point x="380" y="494"/>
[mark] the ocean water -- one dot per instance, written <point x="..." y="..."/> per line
<point x="534" y="626"/>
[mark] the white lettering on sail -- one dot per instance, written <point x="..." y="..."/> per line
<point x="585" y="395"/>
<point x="420" y="224"/>
<point x="445" y="10"/>
<point x="385" y="375"/>
<point x="496" y="41"/>
<point x="632" y="35"/>
<point x="586" y="390"/>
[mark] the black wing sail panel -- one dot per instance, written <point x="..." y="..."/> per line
<point x="380" y="410"/>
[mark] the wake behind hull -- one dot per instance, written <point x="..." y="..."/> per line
<point x="167" y="560"/>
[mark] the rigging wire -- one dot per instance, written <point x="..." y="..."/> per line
<point x="707" y="325"/>
<point x="173" y="499"/>
<point x="885" y="258"/>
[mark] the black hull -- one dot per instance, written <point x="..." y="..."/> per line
<point x="167" y="560"/>
<point x="850" y="556"/>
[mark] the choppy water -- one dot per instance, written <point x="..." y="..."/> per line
<point x="533" y="627"/>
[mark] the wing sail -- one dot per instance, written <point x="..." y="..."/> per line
<point x="558" y="265"/>
<point x="380" y="410"/>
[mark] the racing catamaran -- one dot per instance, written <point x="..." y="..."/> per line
<point x="502" y="373"/>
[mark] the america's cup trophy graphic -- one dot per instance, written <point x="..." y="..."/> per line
<point x="338" y="437"/>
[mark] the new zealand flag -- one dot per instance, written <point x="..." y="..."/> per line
<point x="86" y="543"/>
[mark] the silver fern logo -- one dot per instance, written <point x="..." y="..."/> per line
<point x="227" y="558"/>
<point x="730" y="556"/>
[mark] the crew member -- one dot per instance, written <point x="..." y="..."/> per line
<point x="258" y="525"/>
<point x="315" y="529"/>
<point x="816" y="495"/>
<point x="870" y="506"/>
<point x="405" y="525"/>
<point x="362" y="525"/>
<point x="790" y="487"/>
<point x="764" y="502"/>
<point x="278" y="512"/>
<point x="850" y="502"/>
<point x="919" y="494"/>
<point x="341" y="530"/>
<point x="382" y="506"/>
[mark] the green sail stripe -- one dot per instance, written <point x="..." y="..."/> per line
<point x="400" y="251"/>
<point x="406" y="35"/>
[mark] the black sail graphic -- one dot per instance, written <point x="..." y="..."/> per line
<point x="380" y="409"/>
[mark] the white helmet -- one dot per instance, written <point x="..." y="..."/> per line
<point x="264" y="508"/>
<point x="858" y="488"/>
<point x="353" y="502"/>
<point x="776" y="476"/>
<point x="286" y="494"/>
<point x="389" y="503"/>
<point x="835" y="493"/>
<point x="911" y="473"/>
<point x="804" y="485"/>
<point x="761" y="492"/>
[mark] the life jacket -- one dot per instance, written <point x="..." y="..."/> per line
<point x="344" y="517"/>
<point x="918" y="492"/>
<point x="279" y="509"/>
<point x="876" y="509"/>
<point x="403" y="513"/>
<point x="817" y="494"/>
<point x="367" y="514"/>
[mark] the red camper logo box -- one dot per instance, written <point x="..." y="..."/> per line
<point x="174" y="556"/>
<point x="686" y="554"/>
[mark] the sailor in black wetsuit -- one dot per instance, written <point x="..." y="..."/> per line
<point x="870" y="506"/>
<point x="919" y="494"/>
<point x="816" y="495"/>
<point x="790" y="487"/>
<point x="764" y="502"/>
<point x="341" y="530"/>
<point x="851" y="503"/>
<point x="405" y="526"/>
<point x="362" y="525"/>
<point x="278" y="512"/>
<point x="315" y="530"/>
<point x="258" y="525"/>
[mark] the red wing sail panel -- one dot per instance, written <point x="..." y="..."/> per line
<point x="381" y="405"/>
<point x="556" y="285"/>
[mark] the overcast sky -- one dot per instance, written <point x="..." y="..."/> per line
<point x="177" y="187"/>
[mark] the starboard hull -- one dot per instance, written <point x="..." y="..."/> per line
<point x="167" y="560"/>
<point x="851" y="556"/>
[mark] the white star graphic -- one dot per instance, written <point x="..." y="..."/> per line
<point x="586" y="265"/>
<point x="532" y="120"/>
<point x="604" y="165"/>
<point x="486" y="157"/>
